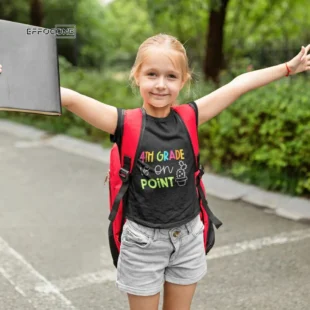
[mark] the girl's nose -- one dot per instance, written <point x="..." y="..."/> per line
<point x="161" y="83"/>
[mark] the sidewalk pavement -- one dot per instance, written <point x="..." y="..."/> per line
<point x="294" y="208"/>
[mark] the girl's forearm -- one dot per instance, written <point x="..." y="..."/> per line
<point x="67" y="96"/>
<point x="255" y="79"/>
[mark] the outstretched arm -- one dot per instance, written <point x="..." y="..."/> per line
<point x="214" y="103"/>
<point x="96" y="113"/>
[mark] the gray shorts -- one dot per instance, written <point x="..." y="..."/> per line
<point x="149" y="257"/>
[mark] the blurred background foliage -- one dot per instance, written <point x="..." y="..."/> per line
<point x="261" y="139"/>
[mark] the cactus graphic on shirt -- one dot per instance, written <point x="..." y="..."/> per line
<point x="181" y="177"/>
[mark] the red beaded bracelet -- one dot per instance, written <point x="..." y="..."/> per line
<point x="288" y="70"/>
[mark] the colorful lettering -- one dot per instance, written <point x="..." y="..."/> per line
<point x="159" y="169"/>
<point x="158" y="182"/>
<point x="172" y="156"/>
<point x="179" y="154"/>
<point x="166" y="156"/>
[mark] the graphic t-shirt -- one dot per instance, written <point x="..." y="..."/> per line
<point x="162" y="192"/>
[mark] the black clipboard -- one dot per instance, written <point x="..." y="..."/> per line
<point x="30" y="80"/>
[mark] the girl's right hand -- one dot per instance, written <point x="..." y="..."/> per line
<point x="0" y="68"/>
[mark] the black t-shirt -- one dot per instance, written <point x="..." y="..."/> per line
<point x="162" y="190"/>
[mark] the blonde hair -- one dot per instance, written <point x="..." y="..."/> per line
<point x="161" y="40"/>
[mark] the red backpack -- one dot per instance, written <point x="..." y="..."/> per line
<point x="122" y="162"/>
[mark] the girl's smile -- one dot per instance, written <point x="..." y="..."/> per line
<point x="159" y="95"/>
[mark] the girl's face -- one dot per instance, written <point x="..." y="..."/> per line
<point x="160" y="80"/>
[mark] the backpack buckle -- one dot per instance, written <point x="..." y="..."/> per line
<point x="124" y="174"/>
<point x="201" y="170"/>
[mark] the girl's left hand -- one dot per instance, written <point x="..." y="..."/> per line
<point x="301" y="62"/>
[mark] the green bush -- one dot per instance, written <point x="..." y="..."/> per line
<point x="263" y="138"/>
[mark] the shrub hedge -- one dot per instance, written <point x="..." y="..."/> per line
<point x="264" y="138"/>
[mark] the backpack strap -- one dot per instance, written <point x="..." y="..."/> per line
<point x="217" y="223"/>
<point x="133" y="125"/>
<point x="186" y="111"/>
<point x="190" y="120"/>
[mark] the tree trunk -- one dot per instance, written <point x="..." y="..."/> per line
<point x="214" y="49"/>
<point x="36" y="13"/>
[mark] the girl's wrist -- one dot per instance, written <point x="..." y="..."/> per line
<point x="288" y="69"/>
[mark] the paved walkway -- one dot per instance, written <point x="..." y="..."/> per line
<point x="54" y="251"/>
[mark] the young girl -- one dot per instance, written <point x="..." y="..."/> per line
<point x="162" y="240"/>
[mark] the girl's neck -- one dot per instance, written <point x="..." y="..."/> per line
<point x="157" y="112"/>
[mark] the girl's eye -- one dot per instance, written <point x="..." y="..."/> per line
<point x="170" y="75"/>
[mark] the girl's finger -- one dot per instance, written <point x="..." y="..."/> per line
<point x="307" y="48"/>
<point x="302" y="53"/>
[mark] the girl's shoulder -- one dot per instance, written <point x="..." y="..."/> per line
<point x="194" y="107"/>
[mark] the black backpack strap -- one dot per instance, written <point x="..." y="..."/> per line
<point x="194" y="107"/>
<point x="217" y="223"/>
<point x="124" y="175"/>
<point x="117" y="136"/>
